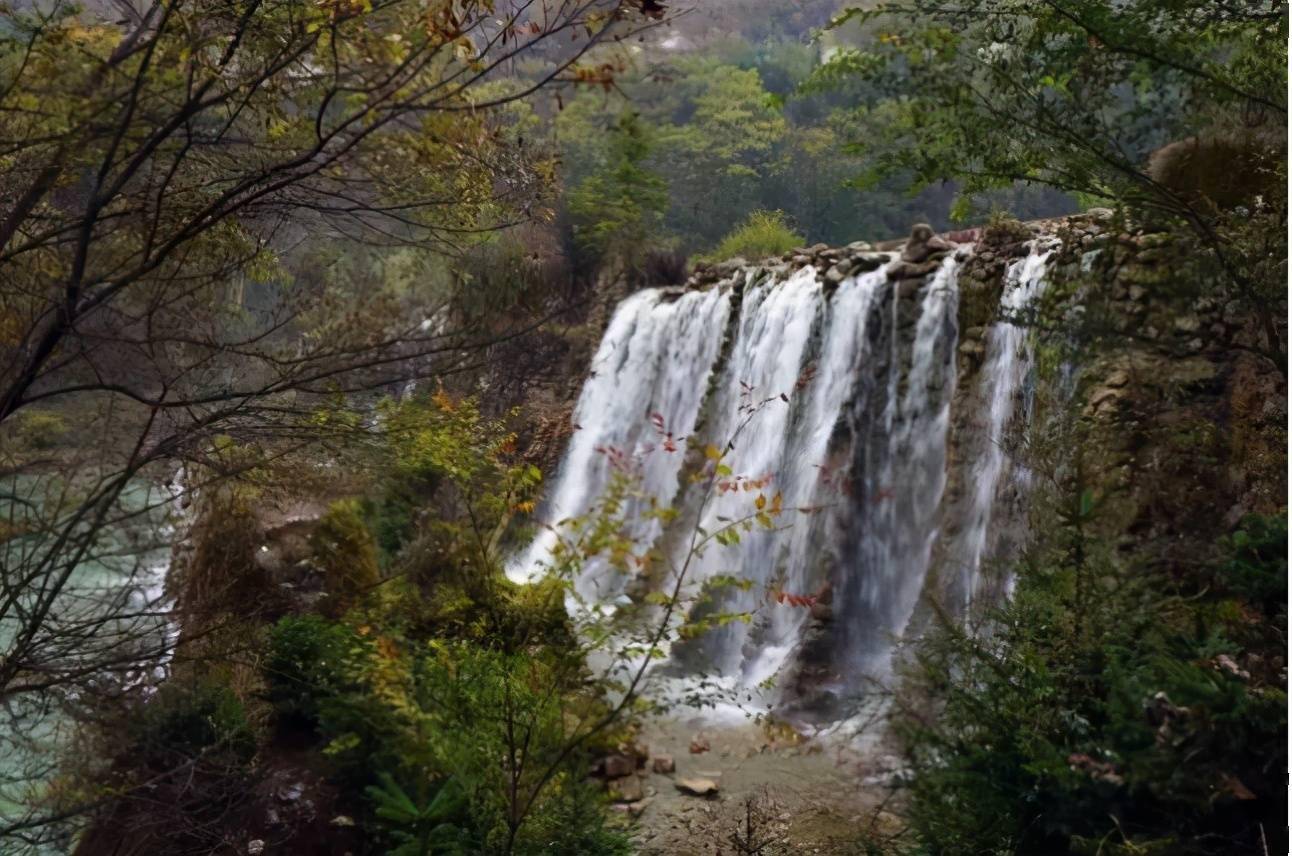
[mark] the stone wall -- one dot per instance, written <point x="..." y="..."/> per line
<point x="1144" y="368"/>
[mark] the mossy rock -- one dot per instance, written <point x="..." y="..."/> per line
<point x="979" y="302"/>
<point x="345" y="550"/>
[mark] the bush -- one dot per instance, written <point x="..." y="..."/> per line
<point x="40" y="429"/>
<point x="344" y="547"/>
<point x="476" y="702"/>
<point x="187" y="720"/>
<point x="763" y="234"/>
<point x="306" y="665"/>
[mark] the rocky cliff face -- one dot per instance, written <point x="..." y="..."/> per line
<point x="1180" y="425"/>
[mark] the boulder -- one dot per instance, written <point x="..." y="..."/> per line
<point x="699" y="743"/>
<point x="912" y="270"/>
<point x="618" y="766"/>
<point x="836" y="274"/>
<point x="908" y="288"/>
<point x="866" y="262"/>
<point x="663" y="764"/>
<point x="625" y="790"/>
<point x="923" y="244"/>
<point x="697" y="787"/>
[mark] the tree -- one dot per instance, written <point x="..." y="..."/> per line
<point x="1079" y="95"/>
<point x="618" y="210"/>
<point x="728" y="148"/>
<point x="1104" y="708"/>
<point x="162" y="175"/>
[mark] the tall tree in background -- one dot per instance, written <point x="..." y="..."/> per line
<point x="729" y="147"/>
<point x="618" y="209"/>
<point x="154" y="173"/>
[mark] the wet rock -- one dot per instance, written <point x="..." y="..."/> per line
<point x="292" y="792"/>
<point x="342" y="820"/>
<point x="699" y="743"/>
<point x="1104" y="401"/>
<point x="1145" y="275"/>
<point x="860" y="247"/>
<point x="1225" y="663"/>
<point x="836" y="274"/>
<point x="663" y="764"/>
<point x="697" y="787"/>
<point x="822" y="612"/>
<point x="1154" y="240"/>
<point x="866" y="262"/>
<point x="908" y="288"/>
<point x="912" y="270"/>
<point x="255" y="847"/>
<point x="1117" y="379"/>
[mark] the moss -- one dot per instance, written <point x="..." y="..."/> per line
<point x="345" y="550"/>
<point x="979" y="302"/>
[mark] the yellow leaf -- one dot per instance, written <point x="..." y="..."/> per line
<point x="760" y="502"/>
<point x="711" y="452"/>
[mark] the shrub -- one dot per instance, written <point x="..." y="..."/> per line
<point x="477" y="702"/>
<point x="1110" y="710"/>
<point x="1004" y="228"/>
<point x="306" y="665"/>
<point x="764" y="233"/>
<point x="40" y="429"/>
<point x="344" y="548"/>
<point x="187" y="720"/>
<point x="420" y="827"/>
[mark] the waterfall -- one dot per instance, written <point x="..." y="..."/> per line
<point x="650" y="370"/>
<point x="836" y="401"/>
<point x="1005" y="370"/>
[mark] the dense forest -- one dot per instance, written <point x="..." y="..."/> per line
<point x="624" y="427"/>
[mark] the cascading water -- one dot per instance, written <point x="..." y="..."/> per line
<point x="836" y="399"/>
<point x="654" y="358"/>
<point x="1007" y="366"/>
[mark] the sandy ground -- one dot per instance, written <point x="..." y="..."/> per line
<point x="788" y="793"/>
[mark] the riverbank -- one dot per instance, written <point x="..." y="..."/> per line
<point x="788" y="792"/>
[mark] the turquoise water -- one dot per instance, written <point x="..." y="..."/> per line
<point x="106" y="632"/>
